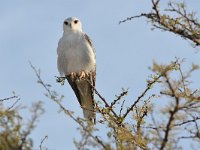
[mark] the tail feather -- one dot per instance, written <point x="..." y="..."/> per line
<point x="88" y="110"/>
<point x="85" y="96"/>
<point x="87" y="100"/>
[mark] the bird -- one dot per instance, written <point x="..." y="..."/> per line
<point x="76" y="62"/>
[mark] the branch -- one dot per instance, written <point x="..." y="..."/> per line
<point x="51" y="95"/>
<point x="104" y="100"/>
<point x="10" y="98"/>
<point x="118" y="98"/>
<point x="172" y="114"/>
<point x="42" y="141"/>
<point x="6" y="99"/>
<point x="185" y="25"/>
<point x="188" y="121"/>
<point x="142" y="95"/>
<point x="14" y="104"/>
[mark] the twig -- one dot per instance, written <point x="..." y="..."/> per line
<point x="143" y="93"/>
<point x="12" y="97"/>
<point x="103" y="99"/>
<point x="156" y="126"/>
<point x="119" y="97"/>
<point x="42" y="141"/>
<point x="137" y="16"/>
<point x="122" y="106"/>
<point x="185" y="25"/>
<point x="14" y="104"/>
<point x="9" y="98"/>
<point x="155" y="7"/>
<point x="172" y="114"/>
<point x="67" y="112"/>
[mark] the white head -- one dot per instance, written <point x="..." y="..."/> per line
<point x="72" y="24"/>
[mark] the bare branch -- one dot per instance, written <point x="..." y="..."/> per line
<point x="188" y="121"/>
<point x="6" y="99"/>
<point x="142" y="95"/>
<point x="185" y="25"/>
<point x="52" y="96"/>
<point x="124" y="92"/>
<point x="42" y="141"/>
<point x="14" y="104"/>
<point x="172" y="114"/>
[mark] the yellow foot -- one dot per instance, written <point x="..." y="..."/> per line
<point x="82" y="75"/>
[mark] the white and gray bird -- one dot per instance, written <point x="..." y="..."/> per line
<point x="77" y="62"/>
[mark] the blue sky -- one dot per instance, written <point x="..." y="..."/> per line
<point x="30" y="30"/>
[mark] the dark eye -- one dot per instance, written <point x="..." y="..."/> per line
<point x="66" y="23"/>
<point x="75" y="21"/>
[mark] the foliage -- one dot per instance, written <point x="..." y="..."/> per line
<point x="185" y="24"/>
<point x="139" y="126"/>
<point x="152" y="120"/>
<point x="14" y="133"/>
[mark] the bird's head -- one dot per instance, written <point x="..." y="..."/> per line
<point x="72" y="24"/>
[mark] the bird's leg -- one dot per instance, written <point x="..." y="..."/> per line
<point x="81" y="75"/>
<point x="72" y="75"/>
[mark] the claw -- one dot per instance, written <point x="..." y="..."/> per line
<point x="82" y="75"/>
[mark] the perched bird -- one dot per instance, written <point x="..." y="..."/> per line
<point x="77" y="62"/>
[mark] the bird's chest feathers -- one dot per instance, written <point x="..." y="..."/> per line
<point x="72" y="41"/>
<point x="75" y="54"/>
<point x="76" y="51"/>
<point x="73" y="45"/>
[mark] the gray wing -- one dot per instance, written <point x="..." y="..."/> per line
<point x="93" y="79"/>
<point x="87" y="38"/>
<point x="74" y="87"/>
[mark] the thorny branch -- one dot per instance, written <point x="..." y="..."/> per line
<point x="36" y="110"/>
<point x="51" y="95"/>
<point x="42" y="141"/>
<point x="104" y="100"/>
<point x="87" y="129"/>
<point x="8" y="98"/>
<point x="172" y="114"/>
<point x="118" y="98"/>
<point x="183" y="101"/>
<point x="142" y="95"/>
<point x="110" y="107"/>
<point x="188" y="121"/>
<point x="184" y="25"/>
<point x="16" y="101"/>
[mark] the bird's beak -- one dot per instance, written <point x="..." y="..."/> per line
<point x="70" y="25"/>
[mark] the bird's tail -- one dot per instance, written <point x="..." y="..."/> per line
<point x="85" y="96"/>
<point x="86" y="99"/>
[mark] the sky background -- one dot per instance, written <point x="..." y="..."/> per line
<point x="30" y="30"/>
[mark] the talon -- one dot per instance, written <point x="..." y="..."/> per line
<point x="82" y="75"/>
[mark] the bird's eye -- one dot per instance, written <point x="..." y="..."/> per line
<point x="66" y="23"/>
<point x="75" y="21"/>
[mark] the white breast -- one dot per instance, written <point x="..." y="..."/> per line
<point x="75" y="54"/>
